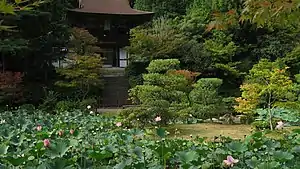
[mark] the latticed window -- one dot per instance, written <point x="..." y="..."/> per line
<point x="123" y="58"/>
<point x="106" y="25"/>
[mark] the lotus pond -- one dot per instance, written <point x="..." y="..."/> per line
<point x="33" y="139"/>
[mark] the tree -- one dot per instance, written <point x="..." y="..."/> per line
<point x="214" y="54"/>
<point x="159" y="41"/>
<point x="163" y="39"/>
<point x="82" y="42"/>
<point x="262" y="13"/>
<point x="82" y="73"/>
<point x="222" y="51"/>
<point x="266" y="85"/>
<point x="168" y="8"/>
<point x="205" y="98"/>
<point x="30" y="49"/>
<point x="84" y="66"/>
<point x="164" y="92"/>
<point x="292" y="59"/>
<point x="276" y="13"/>
<point x="10" y="8"/>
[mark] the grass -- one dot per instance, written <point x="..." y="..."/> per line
<point x="210" y="130"/>
<point x="109" y="112"/>
<point x="279" y="134"/>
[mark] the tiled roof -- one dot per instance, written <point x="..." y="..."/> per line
<point x="117" y="7"/>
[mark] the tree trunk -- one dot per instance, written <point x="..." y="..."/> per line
<point x="3" y="64"/>
<point x="269" y="111"/>
<point x="270" y="114"/>
<point x="86" y="92"/>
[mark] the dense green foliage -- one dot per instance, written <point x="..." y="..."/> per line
<point x="82" y="71"/>
<point x="170" y="8"/>
<point x="188" y="63"/>
<point x="82" y="74"/>
<point x="173" y="94"/>
<point x="11" y="8"/>
<point x="216" y="38"/>
<point x="33" y="139"/>
<point x="163" y="93"/>
<point x="268" y="86"/>
<point x="31" y="50"/>
<point x="205" y="98"/>
<point x="229" y="40"/>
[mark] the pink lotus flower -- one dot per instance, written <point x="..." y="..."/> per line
<point x="280" y="125"/>
<point x="61" y="132"/>
<point x="157" y="119"/>
<point x="38" y="127"/>
<point x="72" y="131"/>
<point x="46" y="143"/>
<point x="118" y="124"/>
<point x="230" y="161"/>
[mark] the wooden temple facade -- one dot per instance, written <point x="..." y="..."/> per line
<point x="110" y="22"/>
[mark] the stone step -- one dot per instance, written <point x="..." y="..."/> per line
<point x="115" y="92"/>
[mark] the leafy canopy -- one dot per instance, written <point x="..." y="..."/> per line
<point x="10" y="8"/>
<point x="267" y="84"/>
<point x="83" y="67"/>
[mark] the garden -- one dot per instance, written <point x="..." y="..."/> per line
<point x="214" y="84"/>
<point x="80" y="139"/>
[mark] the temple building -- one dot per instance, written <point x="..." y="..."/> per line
<point x="110" y="22"/>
